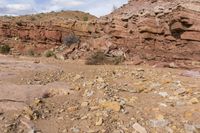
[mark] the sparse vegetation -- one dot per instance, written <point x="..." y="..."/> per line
<point x="32" y="18"/>
<point x="31" y="52"/>
<point x="114" y="8"/>
<point x="71" y="39"/>
<point x="19" y="23"/>
<point x="8" y="17"/>
<point x="49" y="54"/>
<point x="85" y="18"/>
<point x="4" y="49"/>
<point x="100" y="58"/>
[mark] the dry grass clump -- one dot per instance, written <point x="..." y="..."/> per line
<point x="49" y="54"/>
<point x="4" y="49"/>
<point x="71" y="39"/>
<point x="100" y="58"/>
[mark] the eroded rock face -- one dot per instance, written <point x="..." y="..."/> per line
<point x="47" y="32"/>
<point x="157" y="30"/>
<point x="148" y="30"/>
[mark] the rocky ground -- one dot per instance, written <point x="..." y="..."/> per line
<point x="41" y="95"/>
<point x="45" y="95"/>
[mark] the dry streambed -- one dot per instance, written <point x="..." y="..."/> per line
<point x="50" y="96"/>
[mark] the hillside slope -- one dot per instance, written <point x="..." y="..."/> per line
<point x="42" y="31"/>
<point x="158" y="32"/>
<point x="54" y="17"/>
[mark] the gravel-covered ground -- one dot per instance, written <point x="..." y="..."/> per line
<point x="51" y="96"/>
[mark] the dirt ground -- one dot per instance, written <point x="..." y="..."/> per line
<point x="45" y="95"/>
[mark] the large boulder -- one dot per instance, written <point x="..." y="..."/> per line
<point x="53" y="35"/>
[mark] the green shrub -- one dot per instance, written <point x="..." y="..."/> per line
<point x="49" y="54"/>
<point x="100" y="58"/>
<point x="85" y="18"/>
<point x="4" y="49"/>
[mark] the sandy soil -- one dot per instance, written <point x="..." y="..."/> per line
<point x="50" y="96"/>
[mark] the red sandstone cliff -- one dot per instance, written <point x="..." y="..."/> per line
<point x="157" y="30"/>
<point x="142" y="30"/>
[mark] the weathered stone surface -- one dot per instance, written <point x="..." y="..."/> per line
<point x="191" y="35"/>
<point x="114" y="106"/>
<point x="166" y="31"/>
<point x="53" y="35"/>
<point x="139" y="128"/>
<point x="23" y="34"/>
<point x="150" y="30"/>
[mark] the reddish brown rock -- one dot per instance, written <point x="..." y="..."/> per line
<point x="191" y="35"/>
<point x="53" y="35"/>
<point x="153" y="31"/>
<point x="23" y="34"/>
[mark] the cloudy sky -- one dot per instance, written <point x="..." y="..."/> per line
<point x="21" y="7"/>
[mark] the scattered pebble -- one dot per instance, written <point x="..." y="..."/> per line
<point x="163" y="94"/>
<point x="159" y="123"/>
<point x="139" y="128"/>
<point x="115" y="106"/>
<point x="194" y="101"/>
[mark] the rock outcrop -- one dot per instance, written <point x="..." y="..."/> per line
<point x="157" y="30"/>
<point x="143" y="30"/>
<point x="41" y="34"/>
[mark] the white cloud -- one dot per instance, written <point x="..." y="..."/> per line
<point x="21" y="7"/>
<point x="103" y="8"/>
<point x="67" y="3"/>
<point x="18" y="7"/>
<point x="56" y="5"/>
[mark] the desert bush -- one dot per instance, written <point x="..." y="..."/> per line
<point x="100" y="58"/>
<point x="32" y="18"/>
<point x="85" y="18"/>
<point x="49" y="54"/>
<point x="70" y="39"/>
<point x="4" y="49"/>
<point x="8" y="17"/>
<point x="19" y="23"/>
<point x="31" y="52"/>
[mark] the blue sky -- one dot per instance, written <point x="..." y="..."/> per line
<point x="21" y="7"/>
